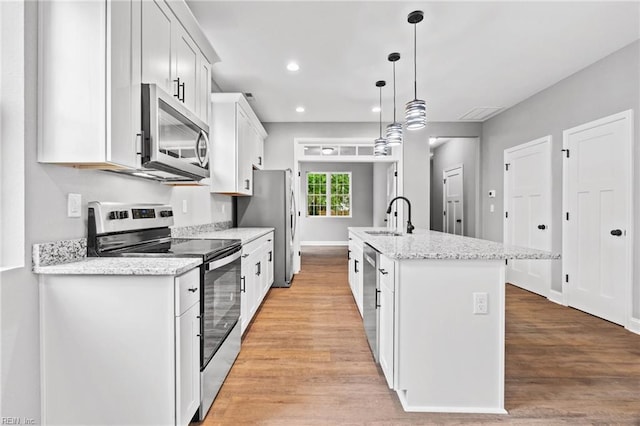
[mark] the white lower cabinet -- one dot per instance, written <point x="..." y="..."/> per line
<point x="356" y="257"/>
<point x="256" y="276"/>
<point x="120" y="349"/>
<point x="386" y="280"/>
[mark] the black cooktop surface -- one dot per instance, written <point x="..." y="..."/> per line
<point x="180" y="247"/>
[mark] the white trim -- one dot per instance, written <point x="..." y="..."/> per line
<point x="437" y="409"/>
<point x="324" y="243"/>
<point x="634" y="325"/>
<point x="328" y="194"/>
<point x="627" y="156"/>
<point x="556" y="297"/>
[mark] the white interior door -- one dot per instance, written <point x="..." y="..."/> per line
<point x="527" y="205"/>
<point x="453" y="200"/>
<point x="596" y="239"/>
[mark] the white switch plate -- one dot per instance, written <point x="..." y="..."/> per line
<point x="480" y="303"/>
<point x="185" y="206"/>
<point x="74" y="205"/>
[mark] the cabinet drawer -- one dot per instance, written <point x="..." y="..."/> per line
<point x="254" y="245"/>
<point x="187" y="290"/>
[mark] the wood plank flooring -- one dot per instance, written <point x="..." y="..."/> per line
<point x="305" y="361"/>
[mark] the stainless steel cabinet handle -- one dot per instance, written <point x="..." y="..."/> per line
<point x="243" y="287"/>
<point x="258" y="268"/>
<point x="383" y="272"/>
<point x="616" y="232"/>
<point x="377" y="298"/>
<point x="177" y="93"/>
<point x="246" y="184"/>
<point x="355" y="266"/>
<point x="542" y="227"/>
<point x="259" y="161"/>
<point x="245" y="256"/>
<point x="270" y="256"/>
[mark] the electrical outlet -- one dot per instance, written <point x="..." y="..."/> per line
<point x="185" y="206"/>
<point x="480" y="303"/>
<point x="74" y="205"/>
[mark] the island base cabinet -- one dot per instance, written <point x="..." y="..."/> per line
<point x="108" y="350"/>
<point x="448" y="358"/>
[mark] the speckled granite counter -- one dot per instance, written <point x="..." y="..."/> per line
<point x="121" y="266"/>
<point x="424" y="244"/>
<point x="243" y="234"/>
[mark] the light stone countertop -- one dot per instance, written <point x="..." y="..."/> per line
<point x="244" y="234"/>
<point x="123" y="266"/>
<point x="425" y="244"/>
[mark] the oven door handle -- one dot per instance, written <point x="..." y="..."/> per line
<point x="221" y="262"/>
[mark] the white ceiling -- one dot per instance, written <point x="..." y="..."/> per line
<point x="470" y="54"/>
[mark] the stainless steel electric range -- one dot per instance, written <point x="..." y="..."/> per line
<point x="141" y="230"/>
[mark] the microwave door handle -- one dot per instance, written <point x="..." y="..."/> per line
<point x="202" y="137"/>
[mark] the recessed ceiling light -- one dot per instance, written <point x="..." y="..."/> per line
<point x="375" y="109"/>
<point x="293" y="66"/>
<point x="300" y="109"/>
<point x="327" y="150"/>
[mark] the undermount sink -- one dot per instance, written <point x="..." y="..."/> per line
<point x="385" y="233"/>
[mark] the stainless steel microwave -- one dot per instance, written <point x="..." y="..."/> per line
<point x="174" y="140"/>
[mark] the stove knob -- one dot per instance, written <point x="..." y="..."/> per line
<point x="123" y="214"/>
<point x="113" y="215"/>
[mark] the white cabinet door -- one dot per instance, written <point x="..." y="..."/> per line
<point x="246" y="290"/>
<point x="245" y="168"/>
<point x="204" y="89"/>
<point x="358" y="259"/>
<point x="269" y="263"/>
<point x="387" y="318"/>
<point x="257" y="144"/>
<point x="185" y="64"/>
<point x="187" y="364"/>
<point x="157" y="23"/>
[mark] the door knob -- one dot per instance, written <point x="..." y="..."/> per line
<point x="542" y="226"/>
<point x="616" y="232"/>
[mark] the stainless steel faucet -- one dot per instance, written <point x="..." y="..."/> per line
<point x="410" y="227"/>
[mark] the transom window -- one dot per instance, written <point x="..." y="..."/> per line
<point x="329" y="194"/>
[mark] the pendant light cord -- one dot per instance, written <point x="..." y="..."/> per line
<point x="415" y="68"/>
<point x="394" y="92"/>
<point x="380" y="112"/>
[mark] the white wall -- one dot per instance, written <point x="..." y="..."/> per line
<point x="316" y="229"/>
<point x="46" y="189"/>
<point x="606" y="87"/>
<point x="456" y="151"/>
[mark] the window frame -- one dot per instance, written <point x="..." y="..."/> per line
<point x="328" y="194"/>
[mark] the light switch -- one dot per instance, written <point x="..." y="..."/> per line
<point x="74" y="205"/>
<point x="492" y="208"/>
<point x="492" y="193"/>
<point x="185" y="206"/>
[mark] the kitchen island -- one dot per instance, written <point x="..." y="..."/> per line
<point x="439" y="306"/>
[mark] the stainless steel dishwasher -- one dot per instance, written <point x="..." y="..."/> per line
<point x="370" y="294"/>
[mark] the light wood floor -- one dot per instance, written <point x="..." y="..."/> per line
<point x="305" y="361"/>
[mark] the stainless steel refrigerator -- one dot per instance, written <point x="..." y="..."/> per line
<point x="272" y="204"/>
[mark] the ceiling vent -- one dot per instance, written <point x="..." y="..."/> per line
<point x="480" y="113"/>
<point x="249" y="96"/>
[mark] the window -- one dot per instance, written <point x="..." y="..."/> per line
<point x="329" y="194"/>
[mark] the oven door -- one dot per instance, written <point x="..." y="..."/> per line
<point x="220" y="302"/>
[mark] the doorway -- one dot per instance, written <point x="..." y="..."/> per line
<point x="455" y="185"/>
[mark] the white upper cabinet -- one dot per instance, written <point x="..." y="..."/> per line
<point x="237" y="144"/>
<point x="93" y="57"/>
<point x="172" y="59"/>
<point x="89" y="83"/>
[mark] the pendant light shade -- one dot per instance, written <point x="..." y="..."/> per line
<point x="394" y="130"/>
<point x="380" y="147"/>
<point x="415" y="110"/>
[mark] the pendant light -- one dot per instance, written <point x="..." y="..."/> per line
<point x="394" y="130"/>
<point x="380" y="147"/>
<point x="415" y="110"/>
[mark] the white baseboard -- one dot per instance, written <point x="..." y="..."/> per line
<point x="324" y="243"/>
<point x="634" y="325"/>
<point x="557" y="297"/>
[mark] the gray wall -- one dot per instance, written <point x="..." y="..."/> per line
<point x="335" y="228"/>
<point x="465" y="151"/>
<point x="46" y="189"/>
<point x="606" y="87"/>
